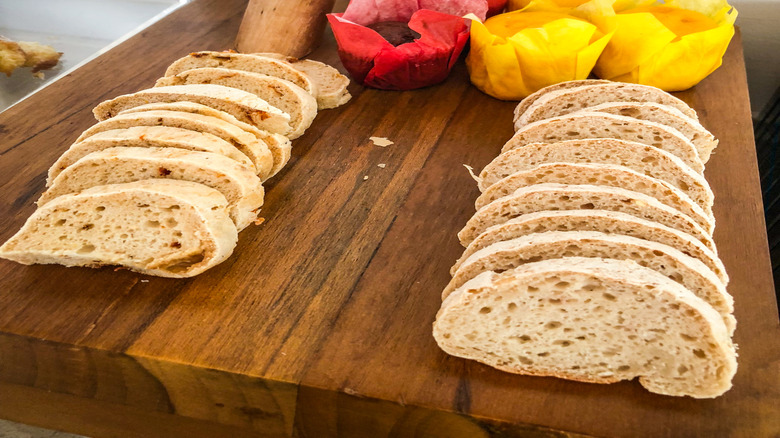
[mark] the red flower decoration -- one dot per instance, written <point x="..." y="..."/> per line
<point x="374" y="62"/>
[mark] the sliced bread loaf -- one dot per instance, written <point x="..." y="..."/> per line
<point x="167" y="228"/>
<point x="237" y="182"/>
<point x="608" y="175"/>
<point x="257" y="150"/>
<point x="282" y="94"/>
<point x="568" y="100"/>
<point x="532" y="320"/>
<point x="280" y="146"/>
<point x="146" y="136"/>
<point x="683" y="269"/>
<point x="522" y="107"/>
<point x="602" y="125"/>
<point x="331" y="85"/>
<point x="667" y="115"/>
<point x="242" y="105"/>
<point x="642" y="158"/>
<point x="541" y="197"/>
<point x="609" y="222"/>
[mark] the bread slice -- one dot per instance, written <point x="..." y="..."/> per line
<point x="683" y="269"/>
<point x="280" y="146"/>
<point x="254" y="148"/>
<point x="167" y="228"/>
<point x="331" y="85"/>
<point x="148" y="137"/>
<point x="282" y="94"/>
<point x="667" y="115"/>
<point x="241" y="61"/>
<point x="240" y="104"/>
<point x="647" y="160"/>
<point x="568" y="100"/>
<point x="237" y="182"/>
<point x="591" y="320"/>
<point x="609" y="222"/>
<point x="547" y="196"/>
<point x="602" y="125"/>
<point x="608" y="175"/>
<point x="522" y="107"/>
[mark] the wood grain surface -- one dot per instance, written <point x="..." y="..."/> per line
<point x="319" y="325"/>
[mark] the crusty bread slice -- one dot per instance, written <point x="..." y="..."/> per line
<point x="237" y="182"/>
<point x="280" y="146"/>
<point x="282" y="94"/>
<point x="608" y="175"/>
<point x="642" y="158"/>
<point x="547" y="196"/>
<point x="146" y="136"/>
<point x="167" y="228"/>
<point x="568" y="100"/>
<point x="522" y="107"/>
<point x="256" y="149"/>
<point x="331" y="85"/>
<point x="667" y="115"/>
<point x="592" y="320"/>
<point x="242" y="105"/>
<point x="686" y="270"/>
<point x="241" y="61"/>
<point x="602" y="125"/>
<point x="609" y="222"/>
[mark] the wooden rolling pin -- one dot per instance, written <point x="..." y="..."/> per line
<point x="289" y="27"/>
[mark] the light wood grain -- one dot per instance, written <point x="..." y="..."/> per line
<point x="320" y="323"/>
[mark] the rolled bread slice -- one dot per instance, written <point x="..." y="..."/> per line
<point x="608" y="175"/>
<point x="167" y="228"/>
<point x="568" y="100"/>
<point x="256" y="149"/>
<point x="602" y="125"/>
<point x="642" y="158"/>
<point x="237" y="182"/>
<point x="241" y="61"/>
<point x="242" y="105"/>
<point x="282" y="94"/>
<point x="667" y="115"/>
<point x="548" y="196"/>
<point x="590" y="320"/>
<point x="148" y="137"/>
<point x="609" y="222"/>
<point x="522" y="107"/>
<point x="279" y="145"/>
<point x="331" y="85"/>
<point x="686" y="270"/>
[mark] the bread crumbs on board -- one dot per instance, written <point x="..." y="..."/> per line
<point x="381" y="165"/>
<point x="381" y="141"/>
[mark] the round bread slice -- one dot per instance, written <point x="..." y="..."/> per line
<point x="237" y="182"/>
<point x="146" y="136"/>
<point x="548" y="196"/>
<point x="167" y="228"/>
<point x="568" y="100"/>
<point x="242" y="105"/>
<point x="282" y="94"/>
<point x="279" y="145"/>
<point x="609" y="222"/>
<point x="647" y="160"/>
<point x="667" y="115"/>
<point x="331" y="85"/>
<point x="602" y="125"/>
<point x="608" y="175"/>
<point x="241" y="61"/>
<point x="256" y="149"/>
<point x="591" y="320"/>
<point x="686" y="270"/>
<point x="522" y="107"/>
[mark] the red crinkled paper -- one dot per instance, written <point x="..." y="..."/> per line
<point x="374" y="62"/>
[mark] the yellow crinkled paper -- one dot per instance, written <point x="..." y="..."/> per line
<point x="514" y="54"/>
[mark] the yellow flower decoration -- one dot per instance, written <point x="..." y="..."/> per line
<point x="517" y="53"/>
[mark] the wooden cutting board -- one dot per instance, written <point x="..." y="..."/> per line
<point x="319" y="325"/>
